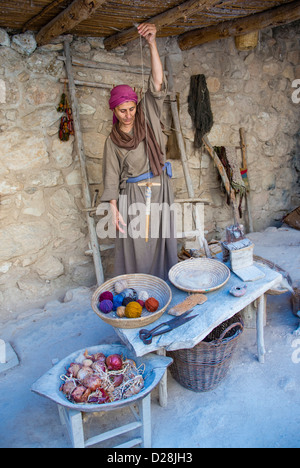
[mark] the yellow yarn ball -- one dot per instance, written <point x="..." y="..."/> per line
<point x="133" y="310"/>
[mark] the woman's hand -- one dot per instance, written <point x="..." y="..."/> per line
<point x="148" y="31"/>
<point x="117" y="218"/>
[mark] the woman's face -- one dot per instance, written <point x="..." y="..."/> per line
<point x="125" y="114"/>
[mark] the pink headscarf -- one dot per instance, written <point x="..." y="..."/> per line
<point x="120" y="94"/>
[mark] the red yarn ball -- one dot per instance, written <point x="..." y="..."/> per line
<point x="106" y="296"/>
<point x="142" y="303"/>
<point x="151" y="304"/>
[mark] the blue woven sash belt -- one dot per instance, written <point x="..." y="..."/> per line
<point x="149" y="175"/>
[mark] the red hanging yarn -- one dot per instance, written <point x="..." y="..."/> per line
<point x="66" y="127"/>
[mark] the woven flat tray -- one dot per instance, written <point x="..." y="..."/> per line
<point x="199" y="275"/>
<point x="155" y="287"/>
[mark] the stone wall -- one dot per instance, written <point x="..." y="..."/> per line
<point x="43" y="233"/>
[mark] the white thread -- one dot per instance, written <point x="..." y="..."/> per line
<point x="145" y="114"/>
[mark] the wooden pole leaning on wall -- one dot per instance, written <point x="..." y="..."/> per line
<point x="189" y="184"/>
<point x="82" y="160"/>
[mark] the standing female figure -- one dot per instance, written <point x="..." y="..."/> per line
<point x="134" y="157"/>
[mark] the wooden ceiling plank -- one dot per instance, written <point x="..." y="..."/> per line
<point x="170" y="16"/>
<point x="273" y="17"/>
<point x="42" y="13"/>
<point x="77" y="12"/>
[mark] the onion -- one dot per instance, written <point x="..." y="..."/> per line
<point x="83" y="372"/>
<point x="74" y="369"/>
<point x="99" y="397"/>
<point x="81" y="394"/>
<point x="135" y="388"/>
<point x="68" y="387"/>
<point x="92" y="382"/>
<point x="117" y="380"/>
<point x="98" y="357"/>
<point x="87" y="362"/>
<point x="114" y="362"/>
<point x="99" y="366"/>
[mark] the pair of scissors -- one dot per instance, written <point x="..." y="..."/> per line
<point x="147" y="335"/>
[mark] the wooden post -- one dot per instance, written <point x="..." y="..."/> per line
<point x="145" y="417"/>
<point x="260" y="329"/>
<point x="2" y="352"/>
<point x="246" y="180"/>
<point x="84" y="177"/>
<point x="189" y="184"/>
<point x="163" y="384"/>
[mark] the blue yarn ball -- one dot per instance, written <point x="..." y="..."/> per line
<point x="117" y="301"/>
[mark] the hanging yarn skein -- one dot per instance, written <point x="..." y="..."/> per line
<point x="199" y="108"/>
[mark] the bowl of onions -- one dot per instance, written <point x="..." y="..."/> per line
<point x="155" y="287"/>
<point x="101" y="378"/>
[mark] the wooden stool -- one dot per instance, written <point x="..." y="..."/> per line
<point x="72" y="415"/>
<point x="73" y="419"/>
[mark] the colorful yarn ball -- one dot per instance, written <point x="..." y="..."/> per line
<point x="133" y="310"/>
<point x="118" y="301"/>
<point x="106" y="295"/>
<point x="106" y="306"/>
<point x="142" y="303"/>
<point x="120" y="286"/>
<point x="130" y="292"/>
<point x="121" y="311"/>
<point x="126" y="301"/>
<point x="151" y="304"/>
<point x="143" y="296"/>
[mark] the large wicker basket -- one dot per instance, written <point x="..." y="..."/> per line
<point x="203" y="367"/>
<point x="155" y="287"/>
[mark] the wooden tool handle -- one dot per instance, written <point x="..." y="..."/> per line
<point x="243" y="147"/>
<point x="147" y="227"/>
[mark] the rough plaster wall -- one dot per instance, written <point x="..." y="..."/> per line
<point x="43" y="233"/>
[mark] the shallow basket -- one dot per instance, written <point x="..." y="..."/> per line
<point x="199" y="275"/>
<point x="203" y="367"/>
<point x="155" y="287"/>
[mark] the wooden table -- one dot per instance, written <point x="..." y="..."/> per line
<point x="220" y="306"/>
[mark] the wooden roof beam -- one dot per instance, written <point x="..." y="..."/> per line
<point x="77" y="12"/>
<point x="44" y="11"/>
<point x="271" y="18"/>
<point x="184" y="10"/>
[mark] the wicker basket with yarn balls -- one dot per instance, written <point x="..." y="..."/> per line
<point x="139" y="282"/>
